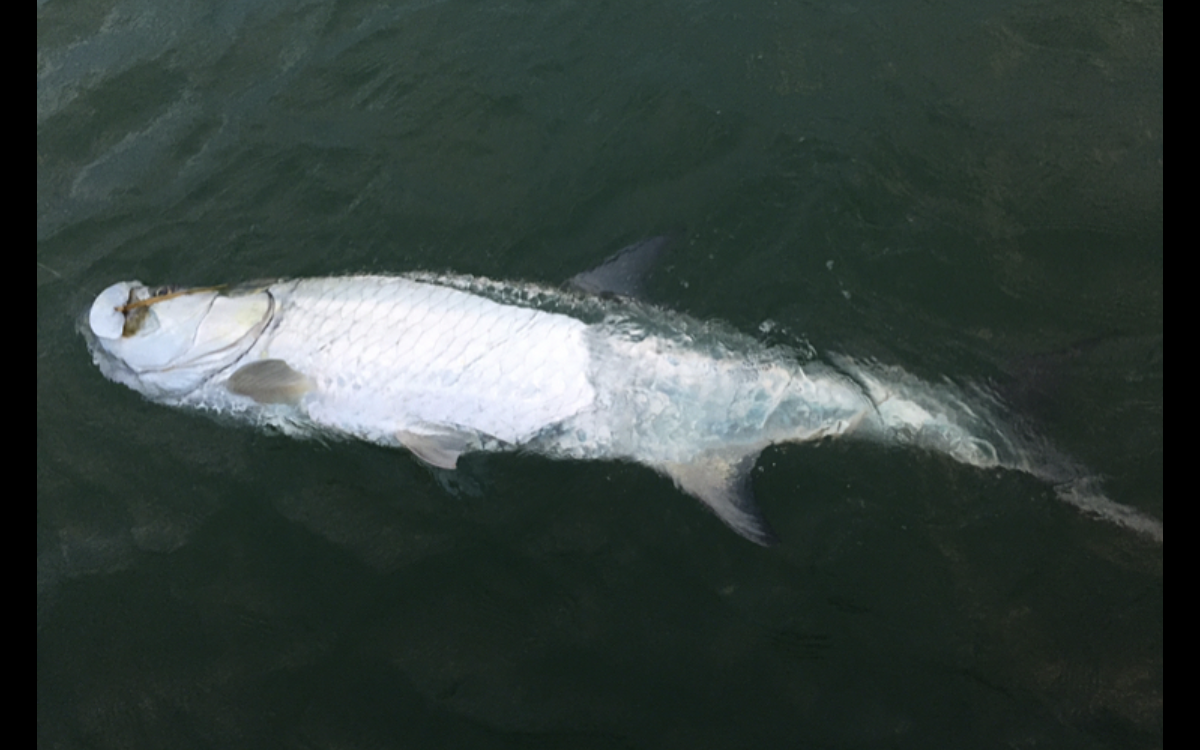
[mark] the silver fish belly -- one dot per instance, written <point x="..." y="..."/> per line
<point x="445" y="365"/>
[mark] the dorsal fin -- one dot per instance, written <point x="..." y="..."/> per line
<point x="625" y="272"/>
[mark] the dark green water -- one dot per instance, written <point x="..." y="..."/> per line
<point x="972" y="192"/>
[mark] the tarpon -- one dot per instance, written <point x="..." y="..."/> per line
<point x="444" y="365"/>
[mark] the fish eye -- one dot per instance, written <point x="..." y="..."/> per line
<point x="135" y="317"/>
<point x="138" y="316"/>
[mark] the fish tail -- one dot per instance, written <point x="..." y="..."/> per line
<point x="972" y="426"/>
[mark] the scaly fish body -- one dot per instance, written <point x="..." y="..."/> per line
<point x="445" y="365"/>
<point x="392" y="355"/>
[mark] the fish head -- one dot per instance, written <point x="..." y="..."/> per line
<point x="165" y="343"/>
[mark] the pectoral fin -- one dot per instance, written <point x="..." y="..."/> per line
<point x="438" y="446"/>
<point x="722" y="482"/>
<point x="269" y="381"/>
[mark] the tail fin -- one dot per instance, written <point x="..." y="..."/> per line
<point x="1085" y="495"/>
<point x="967" y="425"/>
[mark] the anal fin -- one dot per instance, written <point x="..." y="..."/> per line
<point x="721" y="480"/>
